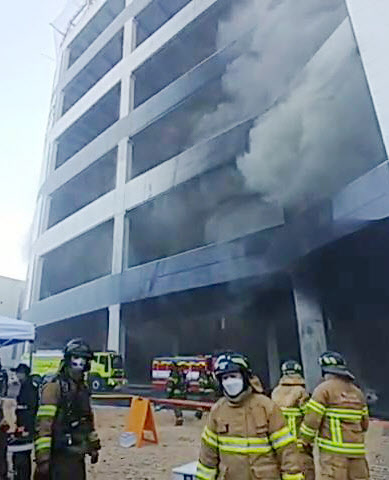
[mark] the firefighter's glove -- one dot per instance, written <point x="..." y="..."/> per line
<point x="94" y="457"/>
<point x="94" y="441"/>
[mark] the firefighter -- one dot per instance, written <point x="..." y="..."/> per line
<point x="337" y="415"/>
<point x="64" y="427"/>
<point x="177" y="388"/>
<point x="246" y="437"/>
<point x="207" y="384"/>
<point x="3" y="381"/>
<point x="291" y="396"/>
<point x="26" y="408"/>
<point x="207" y="388"/>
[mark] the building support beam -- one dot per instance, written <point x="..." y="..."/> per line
<point x="37" y="270"/>
<point x="123" y="340"/>
<point x="113" y="342"/>
<point x="311" y="328"/>
<point x="116" y="331"/>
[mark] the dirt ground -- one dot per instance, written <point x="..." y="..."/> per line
<point x="180" y="445"/>
<point x="177" y="446"/>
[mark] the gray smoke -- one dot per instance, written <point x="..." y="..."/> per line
<point x="322" y="135"/>
<point x="301" y="75"/>
<point x="284" y="35"/>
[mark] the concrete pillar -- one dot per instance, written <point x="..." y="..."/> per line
<point x="120" y="212"/>
<point x="311" y="328"/>
<point x="126" y="242"/>
<point x="44" y="214"/>
<point x="123" y="340"/>
<point x="126" y="95"/>
<point x="56" y="107"/>
<point x="273" y="357"/>
<point x="113" y="342"/>
<point x="37" y="270"/>
<point x="117" y="251"/>
<point x="116" y="332"/>
<point x="129" y="37"/>
<point x="118" y="244"/>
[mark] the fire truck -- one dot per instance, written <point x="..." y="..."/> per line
<point x="192" y="366"/>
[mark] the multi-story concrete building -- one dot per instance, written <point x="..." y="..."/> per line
<point x="216" y="177"/>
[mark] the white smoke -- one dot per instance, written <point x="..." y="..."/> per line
<point x="322" y="135"/>
<point x="285" y="34"/>
<point x="301" y="76"/>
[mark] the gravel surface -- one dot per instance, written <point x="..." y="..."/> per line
<point x="177" y="446"/>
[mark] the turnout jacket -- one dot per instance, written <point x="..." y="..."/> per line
<point x="176" y="386"/>
<point x="247" y="440"/>
<point x="290" y="395"/>
<point x="64" y="420"/>
<point x="337" y="416"/>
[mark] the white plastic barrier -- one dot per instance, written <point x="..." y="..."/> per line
<point x="185" y="472"/>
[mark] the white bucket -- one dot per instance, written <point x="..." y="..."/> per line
<point x="127" y="439"/>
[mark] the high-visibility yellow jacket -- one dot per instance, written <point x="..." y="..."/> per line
<point x="247" y="440"/>
<point x="290" y="395"/>
<point x="338" y="416"/>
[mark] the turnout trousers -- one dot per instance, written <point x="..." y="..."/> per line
<point x="22" y="465"/>
<point x="341" y="467"/>
<point x="67" y="466"/>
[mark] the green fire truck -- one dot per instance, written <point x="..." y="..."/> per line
<point x="105" y="374"/>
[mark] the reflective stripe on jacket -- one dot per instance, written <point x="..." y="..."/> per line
<point x="290" y="395"/>
<point x="176" y="386"/>
<point x="337" y="415"/>
<point x="247" y="440"/>
<point x="50" y="419"/>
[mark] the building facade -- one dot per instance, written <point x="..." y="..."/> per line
<point x="216" y="177"/>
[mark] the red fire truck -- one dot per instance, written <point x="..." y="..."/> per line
<point x="192" y="365"/>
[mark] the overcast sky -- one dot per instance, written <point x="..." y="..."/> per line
<point x="27" y="60"/>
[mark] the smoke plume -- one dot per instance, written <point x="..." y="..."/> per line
<point x="302" y="76"/>
<point x="322" y="135"/>
<point x="284" y="35"/>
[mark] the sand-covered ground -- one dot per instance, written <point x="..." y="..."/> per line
<point x="180" y="445"/>
<point x="177" y="446"/>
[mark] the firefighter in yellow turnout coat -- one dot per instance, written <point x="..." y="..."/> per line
<point x="291" y="396"/>
<point x="337" y="416"/>
<point x="245" y="437"/>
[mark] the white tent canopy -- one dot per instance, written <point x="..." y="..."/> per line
<point x="15" y="331"/>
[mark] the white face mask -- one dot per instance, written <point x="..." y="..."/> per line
<point x="233" y="386"/>
<point x="78" y="363"/>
